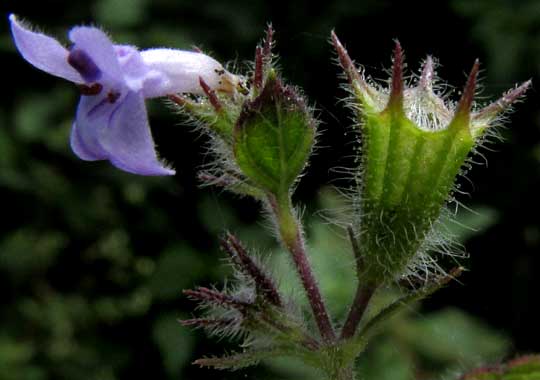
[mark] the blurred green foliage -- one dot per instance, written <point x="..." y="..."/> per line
<point x="93" y="260"/>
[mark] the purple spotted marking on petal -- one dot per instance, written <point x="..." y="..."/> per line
<point x="90" y="89"/>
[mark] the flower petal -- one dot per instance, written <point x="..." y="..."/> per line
<point x="128" y="139"/>
<point x="135" y="71"/>
<point x="118" y="132"/>
<point x="93" y="115"/>
<point x="99" y="48"/>
<point x="43" y="52"/>
<point x="182" y="70"/>
<point x="81" y="149"/>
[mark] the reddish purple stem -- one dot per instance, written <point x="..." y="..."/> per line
<point x="357" y="311"/>
<point x="294" y="242"/>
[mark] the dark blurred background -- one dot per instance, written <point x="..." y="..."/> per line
<point x="93" y="260"/>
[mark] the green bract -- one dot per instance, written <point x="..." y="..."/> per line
<point x="273" y="138"/>
<point x="413" y="148"/>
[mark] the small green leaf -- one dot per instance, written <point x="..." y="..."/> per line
<point x="177" y="267"/>
<point x="451" y="336"/>
<point x="483" y="374"/>
<point x="386" y="361"/>
<point x="273" y="137"/>
<point x="524" y="368"/>
<point x="358" y="342"/>
<point x="174" y="342"/>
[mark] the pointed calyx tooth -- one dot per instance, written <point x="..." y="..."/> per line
<point x="397" y="88"/>
<point x="177" y="99"/>
<point x="210" y="179"/>
<point x="207" y="322"/>
<point x="216" y="298"/>
<point x="453" y="274"/>
<point x="355" y="79"/>
<point x="183" y="102"/>
<point x="259" y="67"/>
<point x="491" y="111"/>
<point x="240" y="257"/>
<point x="426" y="78"/>
<point x="263" y="57"/>
<point x="345" y="60"/>
<point x="463" y="109"/>
<point x="211" y="94"/>
<point x="268" y="43"/>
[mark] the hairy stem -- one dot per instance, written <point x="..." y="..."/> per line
<point x="347" y="374"/>
<point x="364" y="291"/>
<point x="356" y="250"/>
<point x="358" y="308"/>
<point x="343" y="373"/>
<point x="291" y="234"/>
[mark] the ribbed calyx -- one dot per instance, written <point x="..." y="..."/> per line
<point x="414" y="145"/>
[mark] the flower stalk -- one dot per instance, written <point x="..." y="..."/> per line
<point x="362" y="298"/>
<point x="292" y="237"/>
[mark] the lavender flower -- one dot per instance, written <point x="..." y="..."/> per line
<point x="111" y="121"/>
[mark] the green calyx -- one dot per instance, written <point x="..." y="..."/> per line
<point x="408" y="174"/>
<point x="273" y="137"/>
<point x="413" y="148"/>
